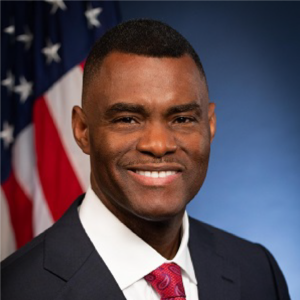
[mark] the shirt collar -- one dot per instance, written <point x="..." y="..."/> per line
<point x="123" y="250"/>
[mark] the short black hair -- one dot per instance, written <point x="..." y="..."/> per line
<point x="144" y="37"/>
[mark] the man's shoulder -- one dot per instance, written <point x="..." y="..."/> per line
<point x="32" y="248"/>
<point x="23" y="271"/>
<point x="218" y="234"/>
<point x="28" y="272"/>
<point x="224" y="243"/>
<point x="248" y="264"/>
<point x="28" y="251"/>
<point x="254" y="262"/>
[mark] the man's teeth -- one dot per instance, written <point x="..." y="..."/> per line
<point x="155" y="174"/>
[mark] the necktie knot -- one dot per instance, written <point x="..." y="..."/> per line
<point x="167" y="281"/>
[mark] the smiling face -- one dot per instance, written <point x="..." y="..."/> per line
<point x="147" y="126"/>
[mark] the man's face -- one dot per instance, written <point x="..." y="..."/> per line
<point x="147" y="128"/>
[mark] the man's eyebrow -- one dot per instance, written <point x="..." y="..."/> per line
<point x="138" y="108"/>
<point x="126" y="107"/>
<point x="184" y="108"/>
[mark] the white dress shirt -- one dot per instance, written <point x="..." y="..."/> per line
<point x="127" y="256"/>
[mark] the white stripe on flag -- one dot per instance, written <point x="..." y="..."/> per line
<point x="60" y="100"/>
<point x="24" y="160"/>
<point x="42" y="218"/>
<point x="8" y="244"/>
<point x="24" y="165"/>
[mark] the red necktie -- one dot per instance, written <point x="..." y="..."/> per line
<point x="167" y="281"/>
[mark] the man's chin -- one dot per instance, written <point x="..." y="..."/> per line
<point x="159" y="212"/>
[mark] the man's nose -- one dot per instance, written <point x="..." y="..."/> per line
<point x="157" y="140"/>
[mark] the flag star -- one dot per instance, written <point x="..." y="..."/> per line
<point x="26" y="38"/>
<point x="10" y="29"/>
<point x="24" y="89"/>
<point x="9" y="81"/>
<point x="7" y="134"/>
<point x="51" y="52"/>
<point x="92" y="16"/>
<point x="56" y="4"/>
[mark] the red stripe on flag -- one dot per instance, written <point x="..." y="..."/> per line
<point x="20" y="208"/>
<point x="57" y="177"/>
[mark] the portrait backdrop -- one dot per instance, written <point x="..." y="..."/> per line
<point x="251" y="55"/>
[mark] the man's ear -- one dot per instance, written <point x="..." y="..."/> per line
<point x="80" y="129"/>
<point x="212" y="120"/>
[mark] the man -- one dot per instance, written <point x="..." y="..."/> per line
<point x="147" y="124"/>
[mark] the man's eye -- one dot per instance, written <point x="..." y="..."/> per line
<point x="127" y="120"/>
<point x="184" y="120"/>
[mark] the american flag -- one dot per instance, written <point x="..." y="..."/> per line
<point x="44" y="46"/>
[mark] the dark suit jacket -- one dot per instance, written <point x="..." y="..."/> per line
<point x="62" y="264"/>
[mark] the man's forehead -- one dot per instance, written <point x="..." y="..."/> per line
<point x="149" y="80"/>
<point x="116" y="60"/>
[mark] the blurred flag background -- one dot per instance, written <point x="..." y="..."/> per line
<point x="43" y="49"/>
<point x="250" y="52"/>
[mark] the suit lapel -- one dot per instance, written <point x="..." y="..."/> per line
<point x="93" y="281"/>
<point x="218" y="279"/>
<point x="70" y="255"/>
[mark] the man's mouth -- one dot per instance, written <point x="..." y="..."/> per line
<point x="155" y="174"/>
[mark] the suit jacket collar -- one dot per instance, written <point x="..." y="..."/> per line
<point x="70" y="255"/>
<point x="217" y="277"/>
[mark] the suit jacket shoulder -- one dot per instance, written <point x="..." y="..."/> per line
<point x="245" y="270"/>
<point x="61" y="263"/>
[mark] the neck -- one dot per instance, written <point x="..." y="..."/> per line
<point x="162" y="235"/>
